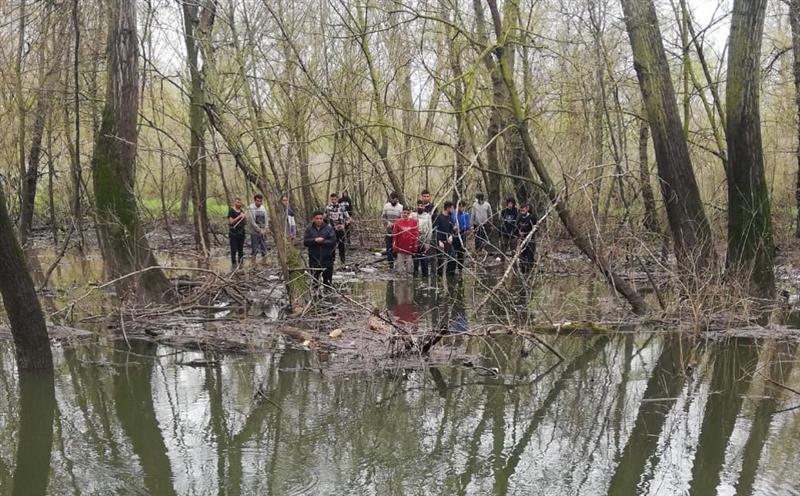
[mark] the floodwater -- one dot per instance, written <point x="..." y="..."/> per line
<point x="633" y="413"/>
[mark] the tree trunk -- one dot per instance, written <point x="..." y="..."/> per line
<point x="794" y="17"/>
<point x="113" y="164"/>
<point x="750" y="247"/>
<point x="650" y="220"/>
<point x="687" y="219"/>
<point x="197" y="128"/>
<point x="75" y="164"/>
<point x="28" y="328"/>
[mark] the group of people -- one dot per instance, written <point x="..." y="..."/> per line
<point x="422" y="241"/>
<point x="417" y="239"/>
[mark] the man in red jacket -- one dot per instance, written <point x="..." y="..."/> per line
<point x="405" y="234"/>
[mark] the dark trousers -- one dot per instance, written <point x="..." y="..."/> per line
<point x="257" y="245"/>
<point x="421" y="262"/>
<point x="321" y="271"/>
<point x="445" y="260"/>
<point x="341" y="242"/>
<point x="460" y="249"/>
<point x="389" y="254"/>
<point x="527" y="256"/>
<point x="506" y="242"/>
<point x="237" y="248"/>
<point x="481" y="237"/>
<point x="348" y="230"/>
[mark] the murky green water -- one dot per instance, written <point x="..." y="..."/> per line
<point x="627" y="414"/>
<point x="633" y="414"/>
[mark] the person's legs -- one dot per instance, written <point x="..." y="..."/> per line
<point x="232" y="241"/>
<point x="389" y="254"/>
<point x="347" y="231"/>
<point x="257" y="245"/>
<point x="405" y="263"/>
<point x="316" y="272"/>
<point x="416" y="262"/>
<point x="460" y="250"/>
<point x="480" y="234"/>
<point x="340" y="242"/>
<point x="424" y="263"/>
<point x="327" y="274"/>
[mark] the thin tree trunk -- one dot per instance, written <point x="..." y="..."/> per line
<point x="794" y="17"/>
<point x="113" y="164"/>
<point x="687" y="219"/>
<point x="197" y="127"/>
<point x="51" y="175"/>
<point x="650" y="220"/>
<point x="750" y="247"/>
<point x="31" y="343"/>
<point x="22" y="109"/>
<point x="76" y="172"/>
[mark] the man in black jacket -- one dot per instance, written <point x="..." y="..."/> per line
<point x="443" y="229"/>
<point x="320" y="239"/>
<point x="526" y="223"/>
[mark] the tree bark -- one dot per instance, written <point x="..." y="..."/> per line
<point x="794" y="17"/>
<point x="750" y="247"/>
<point x="196" y="167"/>
<point x="32" y="346"/>
<point x="113" y="164"/>
<point x="687" y="219"/>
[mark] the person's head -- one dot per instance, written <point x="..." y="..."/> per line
<point x="394" y="198"/>
<point x="524" y="209"/>
<point x="405" y="212"/>
<point x="345" y="194"/>
<point x="479" y="197"/>
<point x="318" y="217"/>
<point x="258" y="199"/>
<point x="461" y="206"/>
<point x="511" y="203"/>
<point x="334" y="198"/>
<point x="420" y="207"/>
<point x="285" y="200"/>
<point x="448" y="207"/>
<point x="425" y="196"/>
<point x="237" y="202"/>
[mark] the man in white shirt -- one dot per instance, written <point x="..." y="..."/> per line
<point x="257" y="222"/>
<point x="392" y="211"/>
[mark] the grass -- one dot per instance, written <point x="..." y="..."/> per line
<point x="152" y="206"/>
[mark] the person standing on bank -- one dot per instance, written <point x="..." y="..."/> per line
<point x="526" y="224"/>
<point x="508" y="226"/>
<point x="257" y="223"/>
<point x="320" y="239"/>
<point x="347" y="204"/>
<point x="443" y="233"/>
<point x="391" y="212"/>
<point x="405" y="242"/>
<point x="425" y="228"/>
<point x="291" y="223"/>
<point x="481" y="215"/>
<point x="336" y="215"/>
<point x="237" y="218"/>
<point x="463" y="223"/>
<point x="427" y="203"/>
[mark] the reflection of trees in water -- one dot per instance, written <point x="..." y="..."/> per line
<point x="35" y="434"/>
<point x="449" y="431"/>
<point x="133" y="400"/>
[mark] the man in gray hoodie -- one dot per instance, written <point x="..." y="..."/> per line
<point x="481" y="215"/>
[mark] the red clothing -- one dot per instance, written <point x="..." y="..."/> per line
<point x="405" y="236"/>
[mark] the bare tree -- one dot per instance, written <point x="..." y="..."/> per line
<point x="114" y="164"/>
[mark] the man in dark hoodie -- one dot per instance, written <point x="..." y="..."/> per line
<point x="320" y="239"/>
<point x="526" y="223"/>
<point x="508" y="225"/>
<point x="443" y="229"/>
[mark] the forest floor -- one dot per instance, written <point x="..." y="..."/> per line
<point x="375" y="319"/>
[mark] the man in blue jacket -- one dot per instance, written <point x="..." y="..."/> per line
<point x="463" y="223"/>
<point x="320" y="239"/>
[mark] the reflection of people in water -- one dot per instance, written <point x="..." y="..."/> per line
<point x="400" y="300"/>
<point x="458" y="312"/>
